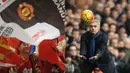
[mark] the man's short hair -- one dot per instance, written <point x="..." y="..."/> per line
<point x="95" y="20"/>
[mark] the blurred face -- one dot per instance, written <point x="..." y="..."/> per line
<point x="68" y="29"/>
<point x="107" y="11"/>
<point x="122" y="30"/>
<point x="89" y="2"/>
<point x="128" y="14"/>
<point x="100" y="7"/>
<point x="127" y="43"/>
<point x="128" y="7"/>
<point x="73" y="51"/>
<point x="110" y="48"/>
<point x="113" y="28"/>
<point x="123" y="36"/>
<point x="110" y="35"/>
<point x="121" y="44"/>
<point x="105" y="27"/>
<point x="94" y="27"/>
<point x="24" y="47"/>
<point x="69" y="11"/>
<point x="118" y="7"/>
<point x="110" y="4"/>
<point x="114" y="43"/>
<point x="115" y="14"/>
<point x="98" y="17"/>
<point x="123" y="18"/>
<point x="76" y="34"/>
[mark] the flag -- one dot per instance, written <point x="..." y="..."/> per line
<point x="8" y="56"/>
<point x="36" y="17"/>
<point x="48" y="51"/>
<point x="37" y="22"/>
<point x="33" y="48"/>
<point x="5" y="3"/>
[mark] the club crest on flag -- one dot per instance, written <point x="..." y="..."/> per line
<point x="25" y="11"/>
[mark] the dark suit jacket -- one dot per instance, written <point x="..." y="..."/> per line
<point x="104" y="61"/>
<point x="100" y="43"/>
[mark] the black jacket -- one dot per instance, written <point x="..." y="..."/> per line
<point x="104" y="61"/>
<point x="100" y="43"/>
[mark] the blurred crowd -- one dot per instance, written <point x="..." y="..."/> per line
<point x="114" y="16"/>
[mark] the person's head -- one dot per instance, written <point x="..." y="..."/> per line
<point x="122" y="30"/>
<point x="110" y="35"/>
<point x="128" y="6"/>
<point x="110" y="4"/>
<point x="124" y="3"/>
<point x="110" y="48"/>
<point x="118" y="7"/>
<point x="69" y="28"/>
<point x="127" y="43"/>
<point x="100" y="7"/>
<point x="98" y="17"/>
<point x="105" y="27"/>
<point x="94" y="26"/>
<point x="123" y="36"/>
<point x="128" y="14"/>
<point x="69" y="11"/>
<point x="121" y="44"/>
<point x="112" y="28"/>
<point x="113" y="51"/>
<point x="115" y="36"/>
<point x="114" y="14"/>
<point x="73" y="50"/>
<point x="123" y="17"/>
<point x="24" y="48"/>
<point x="114" y="43"/>
<point x="109" y="20"/>
<point x="107" y="11"/>
<point x="75" y="33"/>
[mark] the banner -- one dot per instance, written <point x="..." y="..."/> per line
<point x="34" y="22"/>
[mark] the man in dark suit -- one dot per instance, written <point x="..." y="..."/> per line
<point x="94" y="50"/>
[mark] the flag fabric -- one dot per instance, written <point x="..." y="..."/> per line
<point x="8" y="56"/>
<point x="5" y="3"/>
<point x="32" y="13"/>
<point x="47" y="52"/>
<point x="38" y="18"/>
<point x="38" y="22"/>
<point x="32" y="50"/>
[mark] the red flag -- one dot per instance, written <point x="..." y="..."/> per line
<point x="8" y="54"/>
<point x="47" y="51"/>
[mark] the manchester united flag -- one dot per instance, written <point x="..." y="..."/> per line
<point x="41" y="19"/>
<point x="33" y="21"/>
